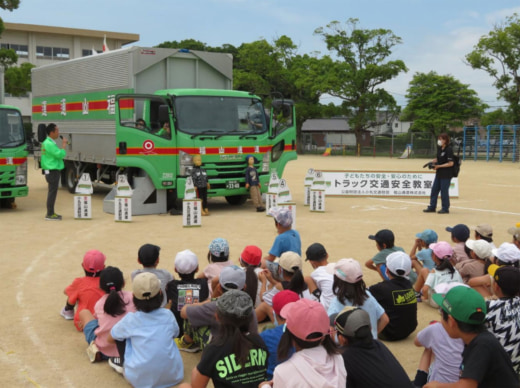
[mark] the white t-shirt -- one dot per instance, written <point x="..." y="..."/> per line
<point x="439" y="277"/>
<point x="324" y="281"/>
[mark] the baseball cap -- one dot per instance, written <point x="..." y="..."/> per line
<point x="515" y="231"/>
<point x="280" y="299"/>
<point x="315" y="252"/>
<point x="186" y="262"/>
<point x="384" y="236"/>
<point x="507" y="278"/>
<point x="148" y="254"/>
<point x="146" y="285"/>
<point x="464" y="304"/>
<point x="94" y="261"/>
<point x="282" y="215"/>
<point x="442" y="250"/>
<point x="236" y="303"/>
<point x="347" y="270"/>
<point x="507" y="252"/>
<point x="350" y="320"/>
<point x="481" y="248"/>
<point x="485" y="230"/>
<point x="290" y="260"/>
<point x="459" y="231"/>
<point x="399" y="263"/>
<point x="232" y="278"/>
<point x="251" y="255"/>
<point x="219" y="247"/>
<point x="428" y="236"/>
<point x="306" y="319"/>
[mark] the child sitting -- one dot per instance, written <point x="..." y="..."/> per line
<point x="109" y="310"/>
<point x="421" y="254"/>
<point x="150" y="358"/>
<point x="444" y="272"/>
<point x="385" y="245"/>
<point x="218" y="258"/>
<point x="85" y="291"/>
<point x="459" y="235"/>
<point x="250" y="259"/>
<point x="148" y="257"/>
<point x="480" y="250"/>
<point x="320" y="281"/>
<point x="350" y="290"/>
<point x="183" y="292"/>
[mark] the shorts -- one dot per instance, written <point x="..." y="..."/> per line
<point x="89" y="330"/>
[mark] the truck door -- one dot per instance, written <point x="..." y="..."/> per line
<point x="145" y="137"/>
<point x="283" y="132"/>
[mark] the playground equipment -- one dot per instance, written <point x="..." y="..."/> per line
<point x="493" y="141"/>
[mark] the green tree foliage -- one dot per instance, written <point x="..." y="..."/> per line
<point x="436" y="102"/>
<point x="18" y="79"/>
<point x="498" y="54"/>
<point x="193" y="44"/>
<point x="496" y="117"/>
<point x="362" y="68"/>
<point x="7" y="56"/>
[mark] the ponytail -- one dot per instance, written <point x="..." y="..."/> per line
<point x="251" y="283"/>
<point x="111" y="281"/>
<point x="297" y="282"/>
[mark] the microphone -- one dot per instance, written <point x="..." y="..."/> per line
<point x="68" y="142"/>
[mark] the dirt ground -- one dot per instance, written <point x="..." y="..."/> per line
<point x="39" y="259"/>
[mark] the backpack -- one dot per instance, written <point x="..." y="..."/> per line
<point x="42" y="133"/>
<point x="456" y="163"/>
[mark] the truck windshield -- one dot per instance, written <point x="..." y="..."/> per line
<point x="12" y="133"/>
<point x="219" y="115"/>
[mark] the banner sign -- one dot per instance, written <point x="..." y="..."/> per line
<point x="383" y="184"/>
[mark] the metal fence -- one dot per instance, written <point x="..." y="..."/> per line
<point x="494" y="142"/>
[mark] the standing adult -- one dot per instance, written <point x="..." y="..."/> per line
<point x="52" y="164"/>
<point x="442" y="164"/>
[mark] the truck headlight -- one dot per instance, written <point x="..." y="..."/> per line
<point x="265" y="161"/>
<point x="21" y="174"/>
<point x="185" y="163"/>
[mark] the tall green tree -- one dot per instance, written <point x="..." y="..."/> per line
<point x="7" y="56"/>
<point x="18" y="79"/>
<point x="363" y="66"/>
<point x="437" y="102"/>
<point x="498" y="54"/>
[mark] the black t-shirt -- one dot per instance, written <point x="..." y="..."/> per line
<point x="219" y="363"/>
<point x="485" y="361"/>
<point x="398" y="299"/>
<point x="444" y="156"/>
<point x="373" y="366"/>
<point x="183" y="292"/>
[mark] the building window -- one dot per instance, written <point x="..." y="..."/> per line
<point x="22" y="50"/>
<point x="52" y="52"/>
<point x="86" y="53"/>
<point x="396" y="125"/>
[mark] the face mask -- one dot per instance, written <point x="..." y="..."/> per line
<point x="439" y="143"/>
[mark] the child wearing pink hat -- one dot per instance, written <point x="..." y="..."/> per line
<point x="84" y="291"/>
<point x="444" y="272"/>
<point x="317" y="361"/>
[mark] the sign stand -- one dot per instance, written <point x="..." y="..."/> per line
<point x="271" y="197"/>
<point x="123" y="200"/>
<point x="191" y="206"/>
<point x="82" y="198"/>
<point x="309" y="178"/>
<point x="317" y="191"/>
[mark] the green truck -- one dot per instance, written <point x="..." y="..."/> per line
<point x="13" y="156"/>
<point x="112" y="109"/>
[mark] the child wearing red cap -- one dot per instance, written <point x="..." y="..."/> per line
<point x="84" y="291"/>
<point x="250" y="259"/>
<point x="316" y="362"/>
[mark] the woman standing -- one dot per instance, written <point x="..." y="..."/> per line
<point x="442" y="164"/>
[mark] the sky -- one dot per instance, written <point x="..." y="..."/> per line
<point x="436" y="34"/>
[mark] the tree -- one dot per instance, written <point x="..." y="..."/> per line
<point x="7" y="56"/>
<point x="498" y="54"/>
<point x="363" y="67"/>
<point x="436" y="102"/>
<point x="18" y="79"/>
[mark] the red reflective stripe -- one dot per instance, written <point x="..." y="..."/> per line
<point x="16" y="161"/>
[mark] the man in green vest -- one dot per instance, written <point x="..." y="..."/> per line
<point x="52" y="164"/>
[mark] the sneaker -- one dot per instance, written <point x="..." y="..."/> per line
<point x="260" y="209"/>
<point x="186" y="347"/>
<point x="429" y="210"/>
<point x="418" y="296"/>
<point x="442" y="211"/>
<point x="54" y="217"/>
<point x="67" y="314"/>
<point x="116" y="364"/>
<point x="93" y="352"/>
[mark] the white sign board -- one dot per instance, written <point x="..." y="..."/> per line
<point x="271" y="200"/>
<point x="123" y="187"/>
<point x="191" y="212"/>
<point x="123" y="209"/>
<point x="383" y="184"/>
<point x="309" y="178"/>
<point x="317" y="200"/>
<point x="82" y="207"/>
<point x="84" y="185"/>
<point x="284" y="193"/>
<point x="274" y="183"/>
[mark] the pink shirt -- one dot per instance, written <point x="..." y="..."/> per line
<point x="107" y="321"/>
<point x="213" y="270"/>
<point x="459" y="253"/>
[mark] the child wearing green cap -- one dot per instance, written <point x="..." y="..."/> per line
<point x="485" y="363"/>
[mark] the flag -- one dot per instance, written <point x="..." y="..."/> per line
<point x="105" y="47"/>
<point x="94" y="52"/>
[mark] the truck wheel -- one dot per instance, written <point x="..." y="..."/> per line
<point x="71" y="180"/>
<point x="236" y="200"/>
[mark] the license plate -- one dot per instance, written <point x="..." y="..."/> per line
<point x="232" y="185"/>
